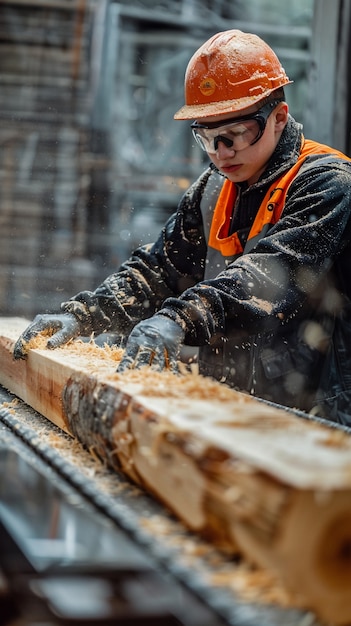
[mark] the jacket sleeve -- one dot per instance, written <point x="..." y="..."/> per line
<point x="285" y="271"/>
<point x="152" y="274"/>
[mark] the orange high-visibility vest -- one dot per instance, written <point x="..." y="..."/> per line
<point x="223" y="248"/>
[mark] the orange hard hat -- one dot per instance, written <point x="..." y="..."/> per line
<point x="230" y="72"/>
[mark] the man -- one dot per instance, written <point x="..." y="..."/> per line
<point x="253" y="268"/>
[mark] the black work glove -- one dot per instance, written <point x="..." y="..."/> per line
<point x="60" y="327"/>
<point x="155" y="342"/>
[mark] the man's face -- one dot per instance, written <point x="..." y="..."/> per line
<point x="244" y="163"/>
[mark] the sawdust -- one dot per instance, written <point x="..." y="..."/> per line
<point x="170" y="385"/>
<point x="79" y="347"/>
<point x="39" y="341"/>
<point x="152" y="383"/>
<point x="11" y="406"/>
<point x="254" y="584"/>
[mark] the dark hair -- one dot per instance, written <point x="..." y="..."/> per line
<point x="277" y="94"/>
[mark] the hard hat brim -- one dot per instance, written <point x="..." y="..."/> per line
<point x="199" y="111"/>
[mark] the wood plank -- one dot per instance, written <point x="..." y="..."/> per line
<point x="40" y="380"/>
<point x="253" y="478"/>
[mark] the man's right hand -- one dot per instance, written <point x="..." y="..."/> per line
<point x="60" y="328"/>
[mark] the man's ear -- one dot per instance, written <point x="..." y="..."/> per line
<point x="281" y="116"/>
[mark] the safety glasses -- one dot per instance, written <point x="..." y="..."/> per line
<point x="237" y="133"/>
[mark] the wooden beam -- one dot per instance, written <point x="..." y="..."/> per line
<point x="253" y="478"/>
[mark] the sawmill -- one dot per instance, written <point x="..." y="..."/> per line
<point x="132" y="496"/>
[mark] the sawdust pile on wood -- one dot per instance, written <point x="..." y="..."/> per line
<point x="152" y="383"/>
<point x="79" y="347"/>
<point x="168" y="384"/>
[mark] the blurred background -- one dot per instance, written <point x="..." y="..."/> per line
<point x="91" y="161"/>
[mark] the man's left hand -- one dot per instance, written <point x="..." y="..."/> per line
<point x="155" y="342"/>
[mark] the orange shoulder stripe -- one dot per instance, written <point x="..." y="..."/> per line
<point x="270" y="208"/>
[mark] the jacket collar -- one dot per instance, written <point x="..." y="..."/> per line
<point x="286" y="153"/>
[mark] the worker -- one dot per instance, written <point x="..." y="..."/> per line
<point x="253" y="269"/>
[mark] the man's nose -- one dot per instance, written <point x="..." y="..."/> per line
<point x="223" y="145"/>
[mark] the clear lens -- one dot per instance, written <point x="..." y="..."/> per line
<point x="237" y="136"/>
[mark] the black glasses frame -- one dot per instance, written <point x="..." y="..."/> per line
<point x="261" y="116"/>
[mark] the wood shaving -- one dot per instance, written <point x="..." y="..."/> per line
<point x="88" y="349"/>
<point x="255" y="585"/>
<point x="37" y="342"/>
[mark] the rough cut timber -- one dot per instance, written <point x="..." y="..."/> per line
<point x="253" y="478"/>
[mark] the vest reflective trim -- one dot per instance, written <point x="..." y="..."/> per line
<point x="218" y="203"/>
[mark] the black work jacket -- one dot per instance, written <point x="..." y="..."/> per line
<point x="277" y="321"/>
